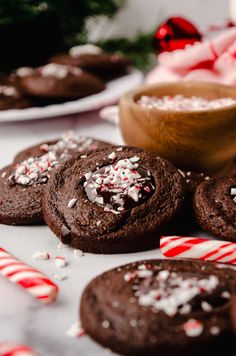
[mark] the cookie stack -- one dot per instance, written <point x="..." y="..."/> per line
<point x="101" y="198"/>
<point x="81" y="72"/>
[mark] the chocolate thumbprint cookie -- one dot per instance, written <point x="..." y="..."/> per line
<point x="118" y="199"/>
<point x="161" y="307"/>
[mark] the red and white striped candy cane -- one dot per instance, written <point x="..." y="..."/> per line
<point x="198" y="248"/>
<point x="33" y="281"/>
<point x="12" y="349"/>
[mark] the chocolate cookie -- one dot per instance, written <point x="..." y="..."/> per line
<point x="22" y="183"/>
<point x="57" y="81"/>
<point x="215" y="206"/>
<point x="10" y="98"/>
<point x="116" y="200"/>
<point x="92" y="59"/>
<point x="161" y="307"/>
<point x="79" y="144"/>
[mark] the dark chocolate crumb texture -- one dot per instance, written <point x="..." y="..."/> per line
<point x="161" y="307"/>
<point x="22" y="183"/>
<point x="118" y="199"/>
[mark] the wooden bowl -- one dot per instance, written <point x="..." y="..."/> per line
<point x="195" y="140"/>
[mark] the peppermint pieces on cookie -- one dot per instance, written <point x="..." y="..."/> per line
<point x="158" y="307"/>
<point x="119" y="186"/>
<point x="125" y="197"/>
<point x="22" y="183"/>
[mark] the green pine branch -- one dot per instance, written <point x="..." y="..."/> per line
<point x="71" y="15"/>
<point x="69" y="18"/>
<point x="138" y="49"/>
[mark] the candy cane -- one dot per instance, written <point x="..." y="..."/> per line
<point x="198" y="248"/>
<point x="75" y="331"/>
<point x="12" y="349"/>
<point x="33" y="281"/>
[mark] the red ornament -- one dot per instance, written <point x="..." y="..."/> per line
<point x="175" y="33"/>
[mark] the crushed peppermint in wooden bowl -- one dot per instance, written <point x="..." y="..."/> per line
<point x="182" y="103"/>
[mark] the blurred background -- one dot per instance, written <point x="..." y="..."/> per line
<point x="144" y="15"/>
<point x="32" y="30"/>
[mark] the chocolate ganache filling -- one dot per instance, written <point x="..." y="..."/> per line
<point x="119" y="186"/>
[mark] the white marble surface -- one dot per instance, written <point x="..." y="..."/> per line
<point x="23" y="319"/>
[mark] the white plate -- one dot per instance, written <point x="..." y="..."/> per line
<point x="110" y="95"/>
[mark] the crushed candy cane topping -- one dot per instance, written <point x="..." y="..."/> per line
<point x="88" y="48"/>
<point x="78" y="253"/>
<point x="60" y="261"/>
<point x="36" y="170"/>
<point x="193" y="328"/>
<point x="8" y="90"/>
<point x="233" y="194"/>
<point x="119" y="186"/>
<point x="60" y="276"/>
<point x="169" y="291"/>
<point x="58" y="71"/>
<point x="75" y="330"/>
<point x="214" y="330"/>
<point x="41" y="255"/>
<point x="72" y="203"/>
<point x="181" y="103"/>
<point x="55" y="70"/>
<point x="23" y="71"/>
